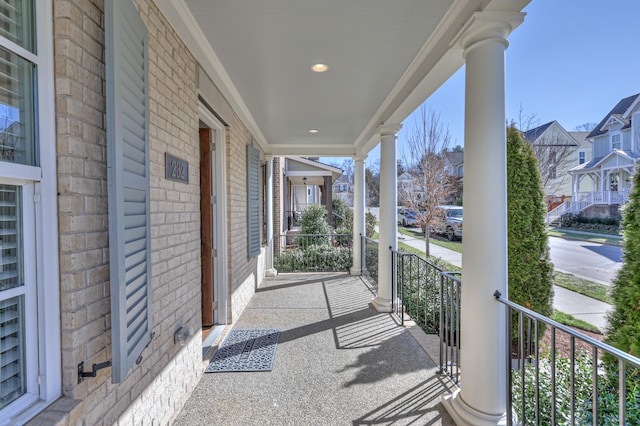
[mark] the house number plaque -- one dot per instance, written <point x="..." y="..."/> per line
<point x="176" y="169"/>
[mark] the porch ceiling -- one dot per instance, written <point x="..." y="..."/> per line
<point x="384" y="58"/>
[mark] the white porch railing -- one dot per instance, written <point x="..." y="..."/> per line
<point x="586" y="199"/>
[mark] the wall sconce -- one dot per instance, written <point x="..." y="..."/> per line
<point x="304" y="180"/>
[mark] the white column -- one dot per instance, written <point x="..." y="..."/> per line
<point x="358" y="214"/>
<point x="388" y="234"/>
<point x="270" y="272"/>
<point x="481" y="400"/>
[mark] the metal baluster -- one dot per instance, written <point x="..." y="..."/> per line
<point x="509" y="332"/>
<point x="441" y="321"/>
<point x="537" y="361"/>
<point x="573" y="380"/>
<point x="622" y="392"/>
<point x="521" y="362"/>
<point x="595" y="386"/>
<point x="553" y="375"/>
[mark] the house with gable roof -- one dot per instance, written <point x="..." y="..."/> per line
<point x="557" y="151"/>
<point x="601" y="185"/>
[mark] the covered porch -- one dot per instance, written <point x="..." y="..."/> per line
<point x="611" y="179"/>
<point x="338" y="361"/>
<point x="308" y="81"/>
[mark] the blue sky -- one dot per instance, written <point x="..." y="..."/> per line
<point x="570" y="61"/>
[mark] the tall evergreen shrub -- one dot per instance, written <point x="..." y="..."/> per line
<point x="624" y="321"/>
<point x="530" y="267"/>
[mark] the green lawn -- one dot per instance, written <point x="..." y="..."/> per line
<point x="570" y="321"/>
<point x="601" y="239"/>
<point x="416" y="233"/>
<point x="568" y="281"/>
<point x="582" y="286"/>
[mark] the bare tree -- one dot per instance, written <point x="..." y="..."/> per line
<point x="372" y="181"/>
<point x="585" y="127"/>
<point x="426" y="167"/>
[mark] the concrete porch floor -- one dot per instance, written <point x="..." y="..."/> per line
<point x="338" y="362"/>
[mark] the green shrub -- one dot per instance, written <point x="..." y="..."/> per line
<point x="370" y="223"/>
<point x="313" y="221"/>
<point x="342" y="216"/>
<point x="624" y="321"/>
<point x="607" y="225"/>
<point x="607" y="392"/>
<point x="344" y="237"/>
<point x="530" y="267"/>
<point x="314" y="258"/>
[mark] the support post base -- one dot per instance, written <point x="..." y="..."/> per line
<point x="464" y="415"/>
<point x="271" y="273"/>
<point x="382" y="305"/>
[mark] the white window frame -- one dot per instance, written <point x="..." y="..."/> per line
<point x="40" y="203"/>
<point x="582" y="157"/>
<point x="619" y="141"/>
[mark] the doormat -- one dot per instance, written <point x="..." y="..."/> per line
<point x="245" y="350"/>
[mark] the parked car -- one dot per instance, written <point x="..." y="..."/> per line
<point x="408" y="217"/>
<point x="451" y="223"/>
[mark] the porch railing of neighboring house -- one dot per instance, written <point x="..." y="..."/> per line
<point x="586" y="199"/>
<point x="313" y="252"/>
<point x="582" y="381"/>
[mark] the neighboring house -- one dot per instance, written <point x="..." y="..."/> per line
<point x="410" y="190"/>
<point x="557" y="152"/>
<point x="602" y="184"/>
<point x="136" y="224"/>
<point x="307" y="181"/>
<point x="343" y="189"/>
<point x="454" y="164"/>
<point x="454" y="161"/>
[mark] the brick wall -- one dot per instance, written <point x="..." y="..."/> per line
<point x="245" y="274"/>
<point x="83" y="223"/>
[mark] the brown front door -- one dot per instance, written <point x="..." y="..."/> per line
<point x="206" y="216"/>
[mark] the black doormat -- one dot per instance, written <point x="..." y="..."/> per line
<point x="245" y="350"/>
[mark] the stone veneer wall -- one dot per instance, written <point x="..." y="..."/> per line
<point x="83" y="224"/>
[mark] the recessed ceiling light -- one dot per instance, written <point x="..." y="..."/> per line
<point x="313" y="131"/>
<point x="320" y="67"/>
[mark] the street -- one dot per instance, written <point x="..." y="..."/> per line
<point x="584" y="259"/>
<point x="593" y="261"/>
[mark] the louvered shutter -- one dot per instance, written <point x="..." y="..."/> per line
<point x="128" y="180"/>
<point x="253" y="201"/>
<point x="12" y="337"/>
<point x="12" y="373"/>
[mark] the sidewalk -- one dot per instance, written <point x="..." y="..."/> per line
<point x="581" y="307"/>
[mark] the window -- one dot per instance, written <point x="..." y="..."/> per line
<point x="30" y="368"/>
<point x="582" y="157"/>
<point x="615" y="141"/>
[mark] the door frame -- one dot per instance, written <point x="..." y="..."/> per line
<point x="220" y="273"/>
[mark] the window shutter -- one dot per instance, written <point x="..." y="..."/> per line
<point x="253" y="200"/>
<point x="12" y="374"/>
<point x="128" y="183"/>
